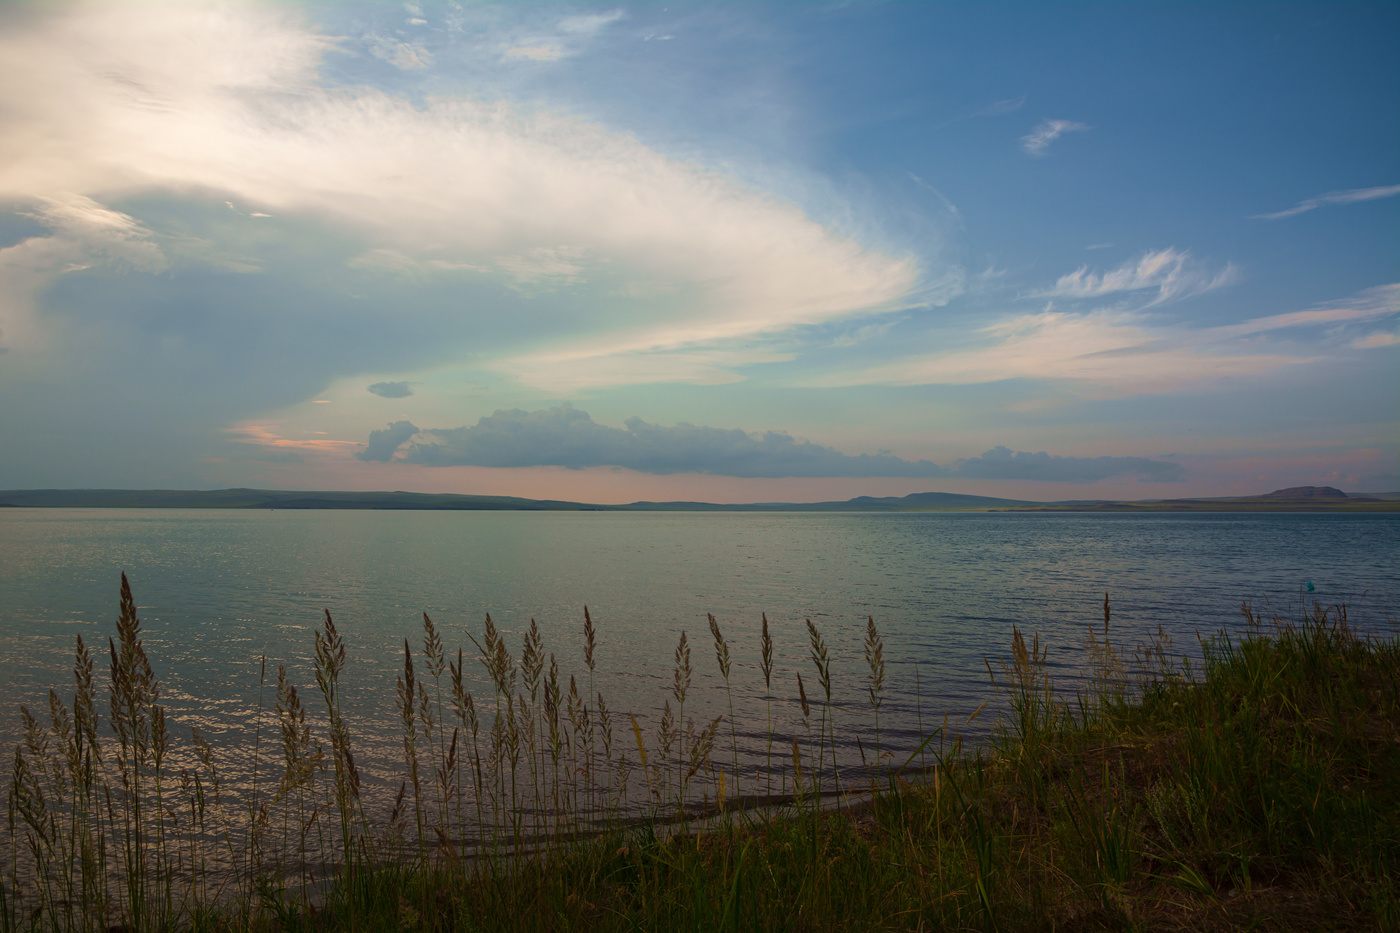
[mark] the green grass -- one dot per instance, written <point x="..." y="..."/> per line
<point x="1257" y="789"/>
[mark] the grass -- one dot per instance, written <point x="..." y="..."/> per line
<point x="1257" y="789"/>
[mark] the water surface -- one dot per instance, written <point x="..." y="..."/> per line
<point x="220" y="592"/>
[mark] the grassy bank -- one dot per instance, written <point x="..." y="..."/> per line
<point x="1259" y="789"/>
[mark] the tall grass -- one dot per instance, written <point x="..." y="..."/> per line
<point x="1260" y="784"/>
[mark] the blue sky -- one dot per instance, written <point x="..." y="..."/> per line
<point x="726" y="252"/>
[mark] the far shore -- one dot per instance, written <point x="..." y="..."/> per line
<point x="1295" y="499"/>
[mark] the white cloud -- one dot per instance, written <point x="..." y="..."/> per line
<point x="588" y="24"/>
<point x="405" y="55"/>
<point x="567" y="373"/>
<point x="1174" y="274"/>
<point x="1040" y="138"/>
<point x="82" y="234"/>
<point x="1377" y="340"/>
<point x="539" y="52"/>
<point x="1116" y="351"/>
<point x="1351" y="196"/>
<point x="103" y="100"/>
<point x="1372" y="304"/>
<point x="564" y="38"/>
<point x="99" y="234"/>
<point x="545" y="263"/>
<point x="996" y="108"/>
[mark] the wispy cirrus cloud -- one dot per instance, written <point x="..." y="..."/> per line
<point x="1174" y="274"/>
<point x="1116" y="351"/>
<point x="563" y="38"/>
<point x="1038" y="140"/>
<point x="570" y="371"/>
<point x="405" y="55"/>
<point x="1373" y="304"/>
<point x="266" y="435"/>
<point x="1351" y="196"/>
<point x="999" y="107"/>
<point x="1101" y="352"/>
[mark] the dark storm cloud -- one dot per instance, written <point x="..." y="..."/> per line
<point x="391" y="389"/>
<point x="384" y="442"/>
<point x="567" y="437"/>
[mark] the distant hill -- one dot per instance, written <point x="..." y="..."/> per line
<point x="1297" y="498"/>
<point x="272" y="499"/>
<point x="1292" y="499"/>
<point x="1306" y="492"/>
<point x="287" y="499"/>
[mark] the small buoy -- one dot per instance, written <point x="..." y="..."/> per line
<point x="1310" y="586"/>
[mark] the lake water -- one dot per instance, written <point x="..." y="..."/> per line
<point x="219" y="591"/>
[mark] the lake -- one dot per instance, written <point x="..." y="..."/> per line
<point x="219" y="592"/>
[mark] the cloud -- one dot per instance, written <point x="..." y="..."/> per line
<point x="1040" y="138"/>
<point x="383" y="443"/>
<point x="570" y="372"/>
<point x="567" y="437"/>
<point x="1173" y="273"/>
<point x="82" y="234"/>
<point x="1126" y="351"/>
<point x="1003" y="464"/>
<point x="563" y="39"/>
<point x="540" y="52"/>
<point x="1351" y="196"/>
<point x="391" y="389"/>
<point x="996" y="108"/>
<point x="1373" y="304"/>
<point x="1114" y="351"/>
<point x="105" y="102"/>
<point x="406" y="55"/>
<point x="544" y="263"/>
<point x="264" y="435"/>
<point x="588" y="24"/>
<point x="103" y="234"/>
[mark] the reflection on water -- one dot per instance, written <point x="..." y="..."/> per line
<point x="221" y="591"/>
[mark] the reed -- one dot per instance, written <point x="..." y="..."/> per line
<point x="1255" y="787"/>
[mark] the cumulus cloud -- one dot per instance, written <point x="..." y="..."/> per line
<point x="567" y="437"/>
<point x="1174" y="274"/>
<point x="383" y="443"/>
<point x="1351" y="196"/>
<point x="391" y="389"/>
<point x="1039" y="139"/>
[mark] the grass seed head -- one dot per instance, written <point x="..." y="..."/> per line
<point x="721" y="648"/>
<point x="681" y="682"/>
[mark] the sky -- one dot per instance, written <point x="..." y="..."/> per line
<point x="709" y="251"/>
